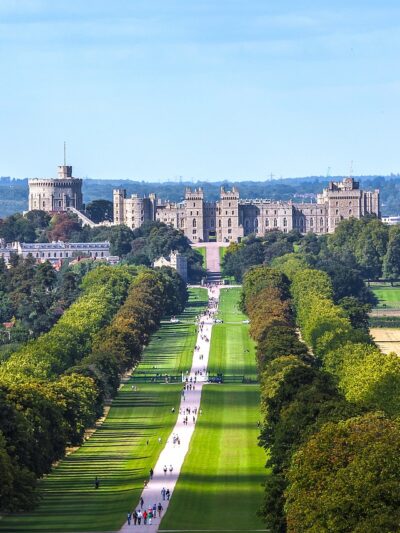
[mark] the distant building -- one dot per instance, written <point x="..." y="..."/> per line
<point x="176" y="261"/>
<point x="231" y="218"/>
<point x="56" y="195"/>
<point x="391" y="221"/>
<point x="58" y="251"/>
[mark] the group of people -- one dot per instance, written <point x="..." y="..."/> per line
<point x="147" y="515"/>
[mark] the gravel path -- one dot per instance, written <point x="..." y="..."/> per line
<point x="174" y="454"/>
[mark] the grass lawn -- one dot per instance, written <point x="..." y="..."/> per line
<point x="228" y="309"/>
<point x="220" y="483"/>
<point x="232" y="350"/>
<point x="117" y="452"/>
<point x="220" y="486"/>
<point x="388" y="296"/>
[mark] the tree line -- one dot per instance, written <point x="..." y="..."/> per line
<point x="138" y="247"/>
<point x="54" y="387"/>
<point x="332" y="448"/>
<point x="359" y="249"/>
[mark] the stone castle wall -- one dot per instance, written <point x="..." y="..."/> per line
<point x="231" y="218"/>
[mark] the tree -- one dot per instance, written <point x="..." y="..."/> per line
<point x="100" y="210"/>
<point x="347" y="478"/>
<point x="391" y="261"/>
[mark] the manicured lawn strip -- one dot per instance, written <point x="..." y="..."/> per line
<point x="220" y="486"/>
<point x="387" y="296"/>
<point x="228" y="309"/>
<point x="232" y="351"/>
<point x="171" y="348"/>
<point x="117" y="452"/>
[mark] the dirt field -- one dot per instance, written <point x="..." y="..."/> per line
<point x="388" y="339"/>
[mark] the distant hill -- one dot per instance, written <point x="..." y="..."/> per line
<point x="14" y="193"/>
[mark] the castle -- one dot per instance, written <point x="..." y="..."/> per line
<point x="232" y="218"/>
<point x="56" y="195"/>
<point x="228" y="219"/>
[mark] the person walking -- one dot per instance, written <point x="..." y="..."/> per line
<point x="145" y="517"/>
<point x="151" y="472"/>
<point x="160" y="509"/>
<point x="154" y="510"/>
<point x="141" y="503"/>
<point x="165" y="470"/>
<point x="139" y="517"/>
<point x="135" y="517"/>
<point x="168" y="494"/>
<point x="129" y="519"/>
<point x="163" y="492"/>
<point x="96" y="483"/>
<point x="170" y="469"/>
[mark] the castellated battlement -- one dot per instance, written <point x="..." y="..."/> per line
<point x="231" y="218"/>
<point x="56" y="194"/>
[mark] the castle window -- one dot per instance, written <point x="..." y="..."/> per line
<point x="194" y="223"/>
<point x="267" y="222"/>
<point x="337" y="211"/>
<point x="44" y="204"/>
<point x="59" y="203"/>
<point x="229" y="204"/>
<point x="229" y="222"/>
<point x="233" y="212"/>
<point x="194" y="231"/>
<point x="337" y="203"/>
<point x="194" y="204"/>
<point x="219" y="223"/>
<point x="275" y="222"/>
<point x="350" y="211"/>
<point x="311" y="221"/>
<point x="285" y="222"/>
<point x="321" y="221"/>
<point x="229" y="231"/>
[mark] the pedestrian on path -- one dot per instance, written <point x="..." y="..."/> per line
<point x="139" y="517"/>
<point x="160" y="509"/>
<point x="151" y="472"/>
<point x="129" y="519"/>
<point x="165" y="470"/>
<point x="163" y="492"/>
<point x="141" y="502"/>
<point x="154" y="510"/>
<point x="135" y="517"/>
<point x="145" y="517"/>
<point x="170" y="469"/>
<point x="168" y="494"/>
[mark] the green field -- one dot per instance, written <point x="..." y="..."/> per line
<point x="118" y="451"/>
<point x="220" y="486"/>
<point x="232" y="349"/>
<point x="228" y="309"/>
<point x="389" y="297"/>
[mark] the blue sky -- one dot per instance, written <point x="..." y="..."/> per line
<point x="233" y="89"/>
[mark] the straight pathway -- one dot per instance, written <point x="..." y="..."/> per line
<point x="174" y="454"/>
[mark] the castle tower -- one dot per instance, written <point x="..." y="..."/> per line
<point x="119" y="196"/>
<point x="56" y="195"/>
<point x="228" y="227"/>
<point x="194" y="215"/>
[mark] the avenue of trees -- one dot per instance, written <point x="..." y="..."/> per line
<point x="54" y="387"/>
<point x="329" y="403"/>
